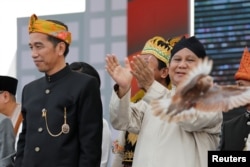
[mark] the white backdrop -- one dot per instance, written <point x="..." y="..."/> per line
<point x="10" y="10"/>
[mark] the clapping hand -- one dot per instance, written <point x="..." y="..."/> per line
<point x="142" y="71"/>
<point x="121" y="75"/>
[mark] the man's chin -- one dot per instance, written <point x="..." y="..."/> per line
<point x="41" y="69"/>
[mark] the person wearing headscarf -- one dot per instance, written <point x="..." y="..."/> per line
<point x="62" y="111"/>
<point x="236" y="132"/>
<point x="160" y="143"/>
<point x="8" y="87"/>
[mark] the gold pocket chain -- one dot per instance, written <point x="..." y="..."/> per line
<point x="65" y="127"/>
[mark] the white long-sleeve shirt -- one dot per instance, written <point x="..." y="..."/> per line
<point x="161" y="143"/>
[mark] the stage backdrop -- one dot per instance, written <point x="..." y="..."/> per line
<point x="224" y="28"/>
<point x="146" y="19"/>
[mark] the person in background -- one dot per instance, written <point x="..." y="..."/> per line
<point x="156" y="51"/>
<point x="236" y="132"/>
<point x="86" y="68"/>
<point x="9" y="106"/>
<point x="7" y="142"/>
<point x="158" y="140"/>
<point x="8" y="114"/>
<point x="62" y="111"/>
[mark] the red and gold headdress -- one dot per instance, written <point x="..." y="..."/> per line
<point x="49" y="28"/>
<point x="244" y="68"/>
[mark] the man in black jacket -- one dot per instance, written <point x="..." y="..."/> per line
<point x="235" y="132"/>
<point x="62" y="111"/>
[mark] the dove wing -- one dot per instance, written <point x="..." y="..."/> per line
<point x="188" y="86"/>
<point x="160" y="109"/>
<point x="160" y="106"/>
<point x="223" y="98"/>
<point x="203" y="68"/>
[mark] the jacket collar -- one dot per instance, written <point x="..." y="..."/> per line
<point x="58" y="75"/>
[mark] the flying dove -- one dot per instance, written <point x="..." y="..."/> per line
<point x="197" y="91"/>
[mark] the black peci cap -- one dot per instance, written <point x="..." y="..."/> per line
<point x="192" y="44"/>
<point x="8" y="84"/>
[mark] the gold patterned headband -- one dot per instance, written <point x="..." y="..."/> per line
<point x="49" y="28"/>
<point x="160" y="48"/>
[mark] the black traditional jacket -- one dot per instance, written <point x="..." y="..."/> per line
<point x="235" y="133"/>
<point x="62" y="123"/>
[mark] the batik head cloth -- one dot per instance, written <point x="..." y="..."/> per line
<point x="160" y="48"/>
<point x="244" y="68"/>
<point x="49" y="28"/>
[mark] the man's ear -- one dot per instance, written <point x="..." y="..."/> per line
<point x="61" y="46"/>
<point x="164" y="72"/>
<point x="6" y="96"/>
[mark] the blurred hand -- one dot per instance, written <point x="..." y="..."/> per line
<point x="121" y="75"/>
<point x="142" y="71"/>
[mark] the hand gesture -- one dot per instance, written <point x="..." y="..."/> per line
<point x="142" y="71"/>
<point x="121" y="75"/>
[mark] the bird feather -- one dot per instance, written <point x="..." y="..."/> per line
<point x="197" y="91"/>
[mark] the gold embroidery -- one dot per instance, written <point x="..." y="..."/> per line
<point x="128" y="156"/>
